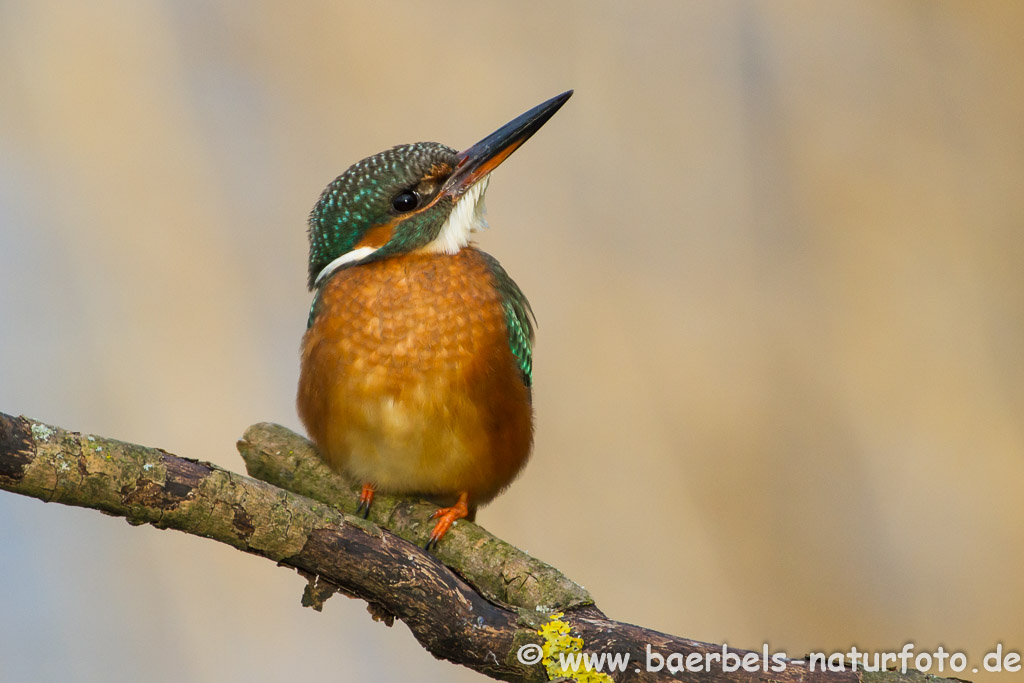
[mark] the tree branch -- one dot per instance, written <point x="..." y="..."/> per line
<point x="498" y="570"/>
<point x="496" y="601"/>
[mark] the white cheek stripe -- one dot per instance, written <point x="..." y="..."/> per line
<point x="348" y="257"/>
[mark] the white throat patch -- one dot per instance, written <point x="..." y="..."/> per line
<point x="467" y="217"/>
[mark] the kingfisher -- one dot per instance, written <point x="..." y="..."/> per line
<point x="417" y="361"/>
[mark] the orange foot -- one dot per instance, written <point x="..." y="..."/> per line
<point x="446" y="517"/>
<point x="365" y="500"/>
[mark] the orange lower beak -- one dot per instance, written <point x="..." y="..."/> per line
<point x="483" y="157"/>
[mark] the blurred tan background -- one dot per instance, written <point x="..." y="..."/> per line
<point x="776" y="251"/>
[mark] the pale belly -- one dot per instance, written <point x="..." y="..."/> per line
<point x="427" y="438"/>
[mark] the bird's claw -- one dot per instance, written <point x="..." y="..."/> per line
<point x="445" y="518"/>
<point x="365" y="501"/>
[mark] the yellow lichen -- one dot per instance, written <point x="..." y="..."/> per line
<point x="558" y="641"/>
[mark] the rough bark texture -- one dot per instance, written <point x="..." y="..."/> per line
<point x="497" y="600"/>
<point x="501" y="572"/>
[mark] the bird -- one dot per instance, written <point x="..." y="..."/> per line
<point x="416" y="373"/>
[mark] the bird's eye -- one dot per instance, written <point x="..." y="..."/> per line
<point x="405" y="201"/>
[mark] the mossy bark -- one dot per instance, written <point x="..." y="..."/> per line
<point x="501" y="572"/>
<point x="481" y="624"/>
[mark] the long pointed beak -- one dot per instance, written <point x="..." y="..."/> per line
<point x="483" y="157"/>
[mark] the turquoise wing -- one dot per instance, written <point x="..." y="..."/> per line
<point x="519" y="318"/>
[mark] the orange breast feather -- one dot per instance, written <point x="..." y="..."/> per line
<point x="408" y="382"/>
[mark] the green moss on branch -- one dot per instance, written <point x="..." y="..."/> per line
<point x="498" y="570"/>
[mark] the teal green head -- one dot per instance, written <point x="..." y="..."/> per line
<point x="389" y="200"/>
<point x="420" y="197"/>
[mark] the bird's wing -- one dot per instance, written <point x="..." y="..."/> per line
<point x="519" y="318"/>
